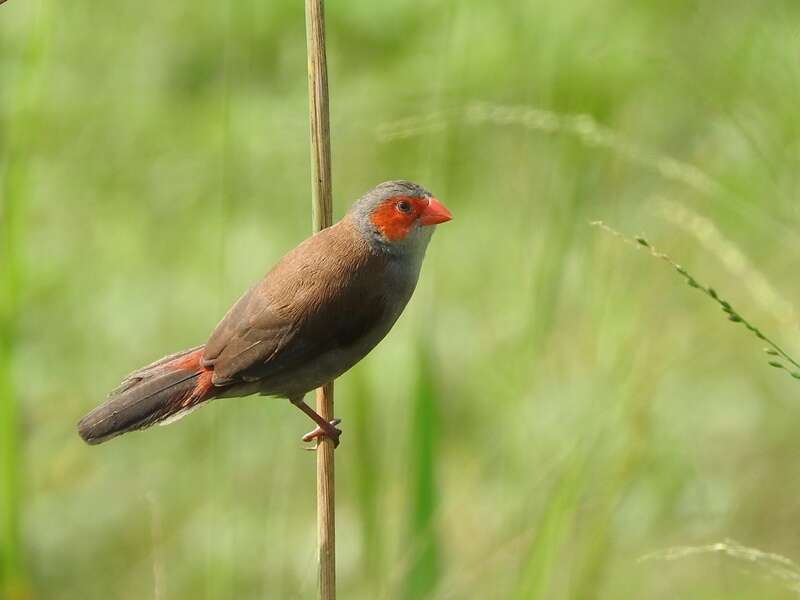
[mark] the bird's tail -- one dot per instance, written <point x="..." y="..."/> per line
<point x="161" y="392"/>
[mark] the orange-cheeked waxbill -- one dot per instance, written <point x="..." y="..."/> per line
<point x="318" y="312"/>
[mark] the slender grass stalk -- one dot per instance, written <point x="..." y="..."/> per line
<point x="424" y="570"/>
<point x="581" y="127"/>
<point x="773" y="566"/>
<point x="779" y="358"/>
<point x="322" y="208"/>
<point x="738" y="264"/>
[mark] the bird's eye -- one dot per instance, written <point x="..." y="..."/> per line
<point x="404" y="206"/>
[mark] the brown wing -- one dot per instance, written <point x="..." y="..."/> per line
<point x="320" y="296"/>
<point x="251" y="332"/>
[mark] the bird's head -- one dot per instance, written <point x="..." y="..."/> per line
<point x="399" y="216"/>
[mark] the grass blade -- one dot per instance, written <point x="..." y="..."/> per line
<point x="424" y="569"/>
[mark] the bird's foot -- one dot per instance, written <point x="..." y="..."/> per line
<point x="329" y="430"/>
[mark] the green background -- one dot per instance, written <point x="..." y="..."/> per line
<point x="552" y="407"/>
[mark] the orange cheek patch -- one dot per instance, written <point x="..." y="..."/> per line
<point x="392" y="223"/>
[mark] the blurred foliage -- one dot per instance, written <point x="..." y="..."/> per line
<point x="551" y="408"/>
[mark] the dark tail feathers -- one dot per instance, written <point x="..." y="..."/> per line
<point x="163" y="390"/>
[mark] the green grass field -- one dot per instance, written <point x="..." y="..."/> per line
<point x="553" y="413"/>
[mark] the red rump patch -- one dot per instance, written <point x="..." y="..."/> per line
<point x="393" y="222"/>
<point x="202" y="390"/>
<point x="189" y="362"/>
<point x="192" y="362"/>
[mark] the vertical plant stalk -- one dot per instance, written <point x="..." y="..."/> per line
<point x="322" y="212"/>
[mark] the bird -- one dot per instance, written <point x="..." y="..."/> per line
<point x="323" y="307"/>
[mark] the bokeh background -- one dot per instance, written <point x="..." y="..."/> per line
<point x="554" y="410"/>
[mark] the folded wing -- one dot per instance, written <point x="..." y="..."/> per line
<point x="324" y="295"/>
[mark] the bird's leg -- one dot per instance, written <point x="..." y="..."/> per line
<point x="324" y="428"/>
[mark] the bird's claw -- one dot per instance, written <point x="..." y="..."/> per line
<point x="331" y="432"/>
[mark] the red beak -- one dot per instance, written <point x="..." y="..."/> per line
<point x="434" y="213"/>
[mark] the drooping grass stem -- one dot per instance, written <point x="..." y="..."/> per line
<point x="780" y="358"/>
